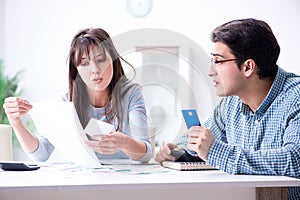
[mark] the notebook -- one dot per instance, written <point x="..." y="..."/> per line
<point x="187" y="166"/>
<point x="186" y="162"/>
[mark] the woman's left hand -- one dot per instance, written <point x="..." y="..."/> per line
<point x="108" y="144"/>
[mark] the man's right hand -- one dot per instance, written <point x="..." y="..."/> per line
<point x="165" y="153"/>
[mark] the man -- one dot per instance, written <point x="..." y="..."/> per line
<point x="255" y="129"/>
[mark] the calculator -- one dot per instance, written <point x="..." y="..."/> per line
<point x="18" y="166"/>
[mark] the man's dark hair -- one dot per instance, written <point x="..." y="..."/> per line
<point x="250" y="39"/>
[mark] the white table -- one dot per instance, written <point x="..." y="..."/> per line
<point x="142" y="182"/>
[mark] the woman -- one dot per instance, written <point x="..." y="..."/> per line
<point x="99" y="89"/>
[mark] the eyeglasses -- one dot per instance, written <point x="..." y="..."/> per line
<point x="215" y="62"/>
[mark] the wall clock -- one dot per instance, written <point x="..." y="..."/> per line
<point x="139" y="8"/>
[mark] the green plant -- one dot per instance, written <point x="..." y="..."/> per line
<point x="8" y="87"/>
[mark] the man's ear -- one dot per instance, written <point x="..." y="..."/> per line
<point x="249" y="67"/>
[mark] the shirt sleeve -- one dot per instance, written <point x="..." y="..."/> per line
<point x="44" y="150"/>
<point x="138" y="121"/>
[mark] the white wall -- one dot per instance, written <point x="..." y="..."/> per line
<point x="2" y="9"/>
<point x="36" y="34"/>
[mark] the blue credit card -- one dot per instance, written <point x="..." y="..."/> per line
<point x="191" y="118"/>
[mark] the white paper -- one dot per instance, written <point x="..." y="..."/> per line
<point x="97" y="127"/>
<point x="59" y="123"/>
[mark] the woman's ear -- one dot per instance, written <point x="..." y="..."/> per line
<point x="249" y="67"/>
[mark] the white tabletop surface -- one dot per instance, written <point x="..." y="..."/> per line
<point x="138" y="176"/>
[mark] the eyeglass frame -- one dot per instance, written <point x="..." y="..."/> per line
<point x="214" y="62"/>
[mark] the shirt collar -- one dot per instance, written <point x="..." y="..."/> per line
<point x="276" y="88"/>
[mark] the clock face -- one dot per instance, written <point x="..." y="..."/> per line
<point x="139" y="8"/>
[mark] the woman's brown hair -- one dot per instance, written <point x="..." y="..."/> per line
<point x="82" y="42"/>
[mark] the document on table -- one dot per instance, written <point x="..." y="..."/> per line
<point x="59" y="123"/>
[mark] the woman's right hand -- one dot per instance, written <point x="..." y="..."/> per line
<point x="15" y="107"/>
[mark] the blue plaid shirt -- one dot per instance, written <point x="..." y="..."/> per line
<point x="264" y="142"/>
